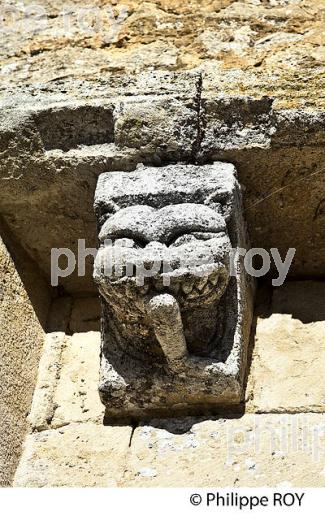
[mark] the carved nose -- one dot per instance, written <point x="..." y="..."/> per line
<point x="168" y="327"/>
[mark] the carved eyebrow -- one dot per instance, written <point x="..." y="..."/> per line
<point x="148" y="224"/>
<point x="189" y="218"/>
<point x="129" y="222"/>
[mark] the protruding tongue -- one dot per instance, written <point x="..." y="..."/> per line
<point x="166" y="319"/>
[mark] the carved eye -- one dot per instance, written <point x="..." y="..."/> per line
<point x="140" y="243"/>
<point x="185" y="239"/>
<point x="181" y="239"/>
<point x="136" y="243"/>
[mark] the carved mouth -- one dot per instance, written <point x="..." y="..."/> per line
<point x="188" y="288"/>
<point x="180" y="249"/>
<point x="197" y="268"/>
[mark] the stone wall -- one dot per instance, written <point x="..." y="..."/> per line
<point x="252" y="47"/>
<point x="22" y="335"/>
<point x="276" y="439"/>
<point x="196" y="82"/>
<point x="59" y="137"/>
<point x="164" y="81"/>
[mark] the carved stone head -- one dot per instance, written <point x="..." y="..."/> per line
<point x="163" y="270"/>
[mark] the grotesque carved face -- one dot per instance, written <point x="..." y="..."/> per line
<point x="180" y="249"/>
<point x="172" y="318"/>
<point x="178" y="253"/>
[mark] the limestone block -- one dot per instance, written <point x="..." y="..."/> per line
<point x="78" y="455"/>
<point x="287" y="373"/>
<point x="159" y="127"/>
<point x="177" y="301"/>
<point x="248" y="451"/>
<point x="66" y="389"/>
<point x="43" y="404"/>
<point x="76" y="395"/>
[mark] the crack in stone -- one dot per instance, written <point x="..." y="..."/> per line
<point x="134" y="425"/>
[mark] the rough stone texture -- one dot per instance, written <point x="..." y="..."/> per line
<point x="47" y="171"/>
<point x="238" y="81"/>
<point x="271" y="48"/>
<point x="246" y="52"/>
<point x="85" y="315"/>
<point x="256" y="449"/>
<point x="43" y="405"/>
<point x="69" y="446"/>
<point x="287" y="370"/>
<point x="251" y="451"/>
<point x="76" y="394"/>
<point x="179" y="339"/>
<point x="20" y="349"/>
<point x="67" y="385"/>
<point x="48" y="177"/>
<point x="279" y="155"/>
<point x="78" y="455"/>
<point x="248" y="451"/>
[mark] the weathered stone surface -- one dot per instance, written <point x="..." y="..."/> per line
<point x="177" y="304"/>
<point x="36" y="159"/>
<point x="21" y="338"/>
<point x="78" y="455"/>
<point x="85" y="315"/>
<point x="248" y="52"/>
<point x="257" y="449"/>
<point x="200" y="87"/>
<point x="248" y="47"/>
<point x="157" y="118"/>
<point x="67" y="384"/>
<point x="76" y="395"/>
<point x="287" y="369"/>
<point x="276" y="181"/>
<point x="160" y="129"/>
<point x="43" y="405"/>
<point x="250" y="451"/>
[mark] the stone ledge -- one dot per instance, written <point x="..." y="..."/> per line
<point x="248" y="451"/>
<point x="67" y="385"/>
<point x="157" y="118"/>
<point x="286" y="373"/>
<point x="78" y="455"/>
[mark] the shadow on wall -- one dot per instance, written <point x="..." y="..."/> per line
<point x="308" y="309"/>
<point x="24" y="304"/>
<point x="31" y="276"/>
<point x="80" y="313"/>
<point x="28" y="310"/>
<point x="304" y="300"/>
